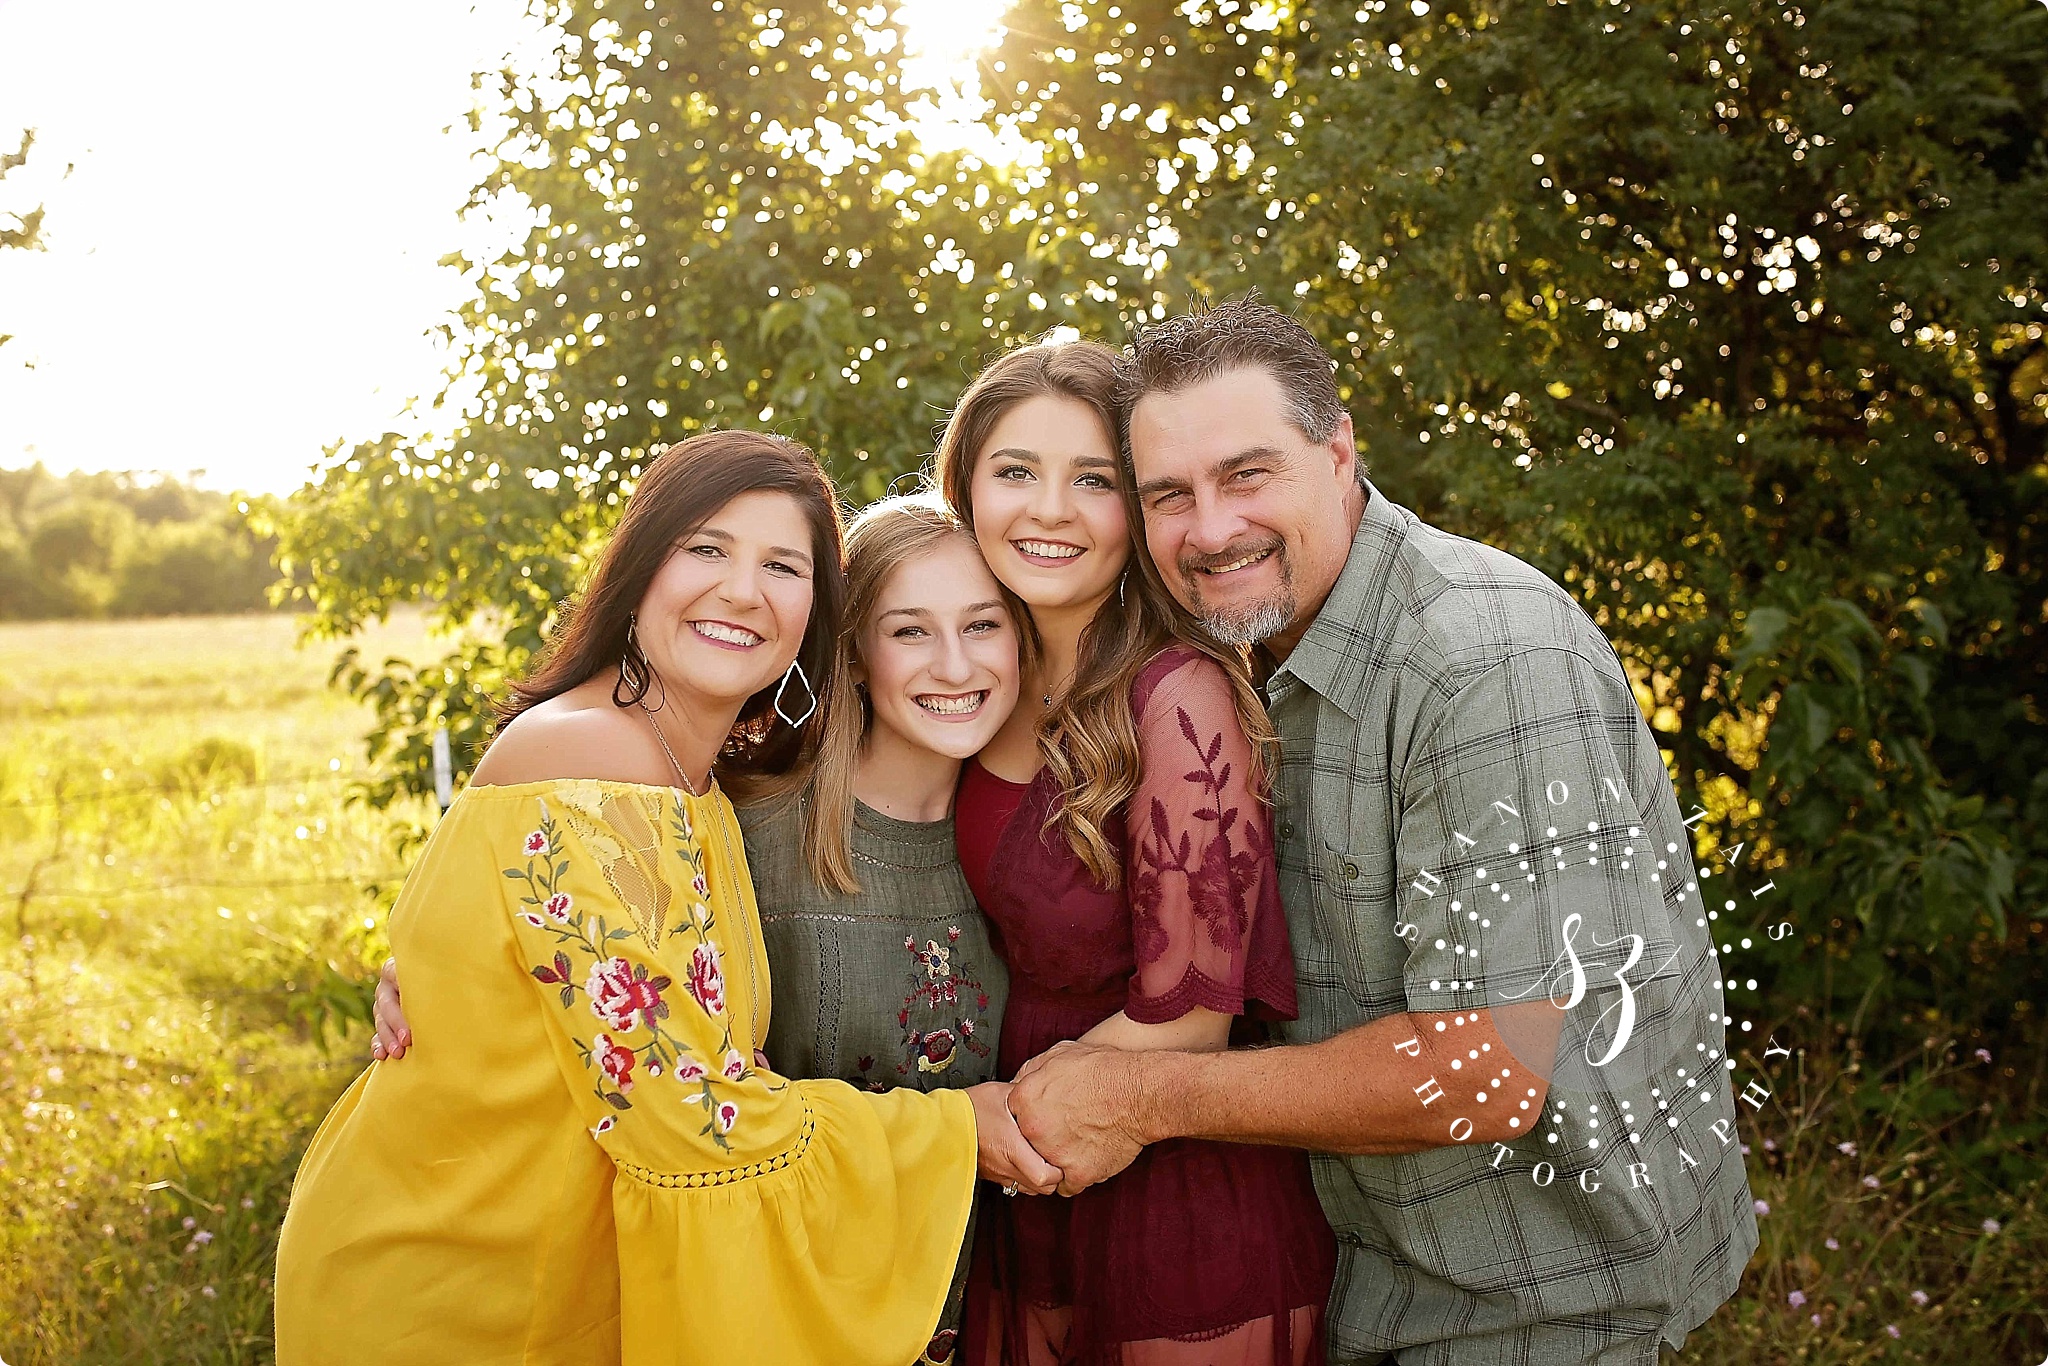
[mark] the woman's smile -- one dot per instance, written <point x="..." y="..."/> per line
<point x="1046" y="553"/>
<point x="727" y="635"/>
<point x="952" y="706"/>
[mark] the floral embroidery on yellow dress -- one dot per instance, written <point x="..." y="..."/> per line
<point x="624" y="995"/>
<point x="587" y="985"/>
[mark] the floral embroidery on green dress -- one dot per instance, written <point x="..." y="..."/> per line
<point x="941" y="988"/>
<point x="629" y="998"/>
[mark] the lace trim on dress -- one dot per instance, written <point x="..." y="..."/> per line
<point x="726" y="1177"/>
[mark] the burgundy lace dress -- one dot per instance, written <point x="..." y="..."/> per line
<point x="1200" y="1253"/>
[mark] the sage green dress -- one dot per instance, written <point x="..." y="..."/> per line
<point x="896" y="985"/>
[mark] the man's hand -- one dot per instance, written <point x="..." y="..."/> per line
<point x="1004" y="1157"/>
<point x="394" y="1036"/>
<point x="1077" y="1104"/>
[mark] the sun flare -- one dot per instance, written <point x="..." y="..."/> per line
<point x="945" y="44"/>
<point x="943" y="40"/>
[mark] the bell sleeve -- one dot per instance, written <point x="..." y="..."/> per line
<point x="1199" y="865"/>
<point x="757" y="1218"/>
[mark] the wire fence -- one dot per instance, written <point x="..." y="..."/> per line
<point x="187" y="788"/>
<point x="52" y="1009"/>
<point x="15" y="900"/>
<point x="172" y="884"/>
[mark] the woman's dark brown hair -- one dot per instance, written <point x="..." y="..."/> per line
<point x="683" y="488"/>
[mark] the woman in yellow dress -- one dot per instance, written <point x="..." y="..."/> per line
<point x="585" y="1161"/>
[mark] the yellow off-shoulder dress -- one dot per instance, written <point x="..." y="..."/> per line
<point x="579" y="1162"/>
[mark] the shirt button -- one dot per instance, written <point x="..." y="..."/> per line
<point x="1350" y="871"/>
<point x="1287" y="830"/>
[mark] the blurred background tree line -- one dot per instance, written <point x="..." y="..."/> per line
<point x="125" y="545"/>
<point x="1729" y="317"/>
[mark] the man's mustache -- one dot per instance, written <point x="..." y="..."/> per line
<point x="1195" y="564"/>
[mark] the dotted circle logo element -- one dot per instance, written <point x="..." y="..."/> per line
<point x="1652" y="1014"/>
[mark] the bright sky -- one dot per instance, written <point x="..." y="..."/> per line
<point x="240" y="266"/>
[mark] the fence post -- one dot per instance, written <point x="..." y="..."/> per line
<point x="444" y="776"/>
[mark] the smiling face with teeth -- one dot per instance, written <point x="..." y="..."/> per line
<point x="938" y="655"/>
<point x="1248" y="520"/>
<point x="725" y="614"/>
<point x="1048" y="513"/>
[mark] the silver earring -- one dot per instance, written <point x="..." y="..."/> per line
<point x="1121" y="580"/>
<point x="796" y="670"/>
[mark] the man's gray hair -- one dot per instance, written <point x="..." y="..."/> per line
<point x="1208" y="340"/>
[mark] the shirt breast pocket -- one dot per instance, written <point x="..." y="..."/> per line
<point x="1357" y="904"/>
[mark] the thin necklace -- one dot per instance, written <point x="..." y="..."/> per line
<point x="661" y="739"/>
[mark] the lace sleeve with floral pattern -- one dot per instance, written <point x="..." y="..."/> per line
<point x="1205" y="911"/>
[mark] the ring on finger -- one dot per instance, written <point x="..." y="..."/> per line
<point x="1010" y="1189"/>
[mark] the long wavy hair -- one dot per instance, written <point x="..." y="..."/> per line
<point x="1089" y="738"/>
<point x="889" y="535"/>
<point x="679" y="491"/>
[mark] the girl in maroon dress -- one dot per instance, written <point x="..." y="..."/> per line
<point x="1115" y="835"/>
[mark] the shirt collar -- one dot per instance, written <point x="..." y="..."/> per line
<point x="1334" y="656"/>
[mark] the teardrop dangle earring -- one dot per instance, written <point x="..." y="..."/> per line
<point x="796" y="671"/>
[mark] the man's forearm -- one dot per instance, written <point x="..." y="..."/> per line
<point x="1388" y="1086"/>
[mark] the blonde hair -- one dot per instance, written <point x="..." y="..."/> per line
<point x="885" y="537"/>
<point x="1090" y="738"/>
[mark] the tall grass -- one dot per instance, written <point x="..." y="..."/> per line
<point x="188" y="906"/>
<point x="186" y="898"/>
<point x="1900" y="1212"/>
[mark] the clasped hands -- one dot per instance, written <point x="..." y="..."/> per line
<point x="1065" y="1123"/>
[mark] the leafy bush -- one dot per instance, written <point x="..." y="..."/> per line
<point x="100" y="545"/>
<point x="183" y="568"/>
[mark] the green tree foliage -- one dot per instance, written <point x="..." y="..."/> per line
<point x="1727" y="317"/>
<point x="1731" y="319"/>
<point x="19" y="231"/>
<point x="115" y="545"/>
<point x="737" y="225"/>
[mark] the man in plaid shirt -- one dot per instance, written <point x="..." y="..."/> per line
<point x="1511" y="1052"/>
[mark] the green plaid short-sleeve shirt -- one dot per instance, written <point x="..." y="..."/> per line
<point x="1469" y="802"/>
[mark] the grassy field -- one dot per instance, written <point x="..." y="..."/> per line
<point x="184" y="892"/>
<point x="186" y="898"/>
